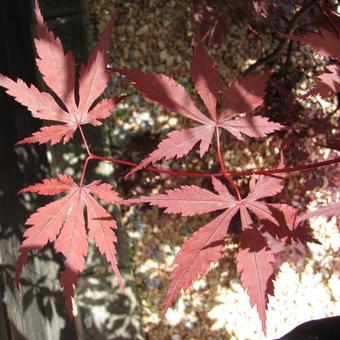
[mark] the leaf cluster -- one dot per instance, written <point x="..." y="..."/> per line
<point x="72" y="102"/>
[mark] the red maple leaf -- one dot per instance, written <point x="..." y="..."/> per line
<point x="58" y="72"/>
<point x="63" y="222"/>
<point x="242" y="96"/>
<point x="327" y="43"/>
<point x="204" y="247"/>
<point x="328" y="83"/>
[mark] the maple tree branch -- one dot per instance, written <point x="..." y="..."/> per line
<point x="224" y="173"/>
<point x="153" y="168"/>
<point x="219" y="174"/>
<point x="279" y="49"/>
<point x="220" y="159"/>
<point x="287" y="169"/>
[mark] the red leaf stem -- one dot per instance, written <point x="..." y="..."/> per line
<point x="302" y="167"/>
<point x="220" y="159"/>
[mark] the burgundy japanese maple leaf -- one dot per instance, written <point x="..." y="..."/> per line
<point x="241" y="97"/>
<point x="58" y="72"/>
<point x="327" y="44"/>
<point x="204" y="247"/>
<point x="63" y="222"/>
<point x="328" y="83"/>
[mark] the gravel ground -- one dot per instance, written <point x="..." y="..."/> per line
<point x="158" y="35"/>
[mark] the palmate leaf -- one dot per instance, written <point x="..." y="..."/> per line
<point x="205" y="246"/>
<point x="63" y="222"/>
<point x="242" y="96"/>
<point x="58" y="72"/>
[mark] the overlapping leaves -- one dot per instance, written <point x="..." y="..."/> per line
<point x="327" y="44"/>
<point x="254" y="260"/>
<point x="69" y="221"/>
<point x="64" y="221"/>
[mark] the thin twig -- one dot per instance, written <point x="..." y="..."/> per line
<point x="303" y="167"/>
<point x="220" y="159"/>
<point x="84" y="140"/>
<point x="224" y="173"/>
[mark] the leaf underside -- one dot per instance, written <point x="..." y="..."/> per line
<point x="63" y="222"/>
<point x="69" y="221"/>
<point x="243" y="96"/>
<point x="59" y="74"/>
<point x="255" y="259"/>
